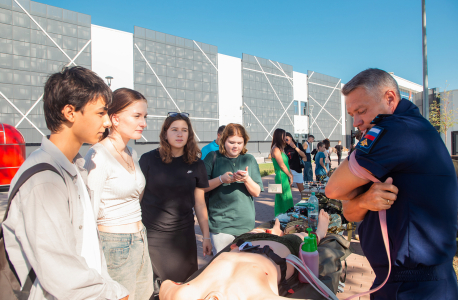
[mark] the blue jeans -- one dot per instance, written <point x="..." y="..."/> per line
<point x="128" y="262"/>
<point x="308" y="172"/>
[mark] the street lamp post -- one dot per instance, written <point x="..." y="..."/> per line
<point x="425" y="62"/>
<point x="109" y="79"/>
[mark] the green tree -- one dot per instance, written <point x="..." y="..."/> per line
<point x="441" y="113"/>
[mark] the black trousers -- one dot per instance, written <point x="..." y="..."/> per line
<point x="339" y="157"/>
<point x="173" y="255"/>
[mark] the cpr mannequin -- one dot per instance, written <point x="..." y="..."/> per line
<point x="240" y="275"/>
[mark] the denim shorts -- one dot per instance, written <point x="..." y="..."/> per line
<point x="129" y="263"/>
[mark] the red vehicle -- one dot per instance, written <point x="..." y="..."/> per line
<point x="12" y="153"/>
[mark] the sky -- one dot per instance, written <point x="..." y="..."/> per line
<point x="333" y="37"/>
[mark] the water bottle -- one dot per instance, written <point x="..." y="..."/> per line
<point x="305" y="194"/>
<point x="313" y="211"/>
<point x="309" y="255"/>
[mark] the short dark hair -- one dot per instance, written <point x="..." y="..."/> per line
<point x="72" y="86"/>
<point x="373" y="81"/>
<point x="311" y="136"/>
<point x="221" y="129"/>
<point x="320" y="144"/>
<point x="278" y="138"/>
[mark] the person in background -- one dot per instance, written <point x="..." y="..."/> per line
<point x="295" y="153"/>
<point x="307" y="145"/>
<point x="213" y="146"/>
<point x="118" y="183"/>
<point x="175" y="181"/>
<point x="51" y="226"/>
<point x="283" y="176"/>
<point x="320" y="166"/>
<point x="327" y="153"/>
<point x="234" y="180"/>
<point x="339" y="148"/>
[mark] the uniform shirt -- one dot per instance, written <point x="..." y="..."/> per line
<point x="213" y="146"/>
<point x="422" y="221"/>
<point x="169" y="193"/>
<point x="231" y="206"/>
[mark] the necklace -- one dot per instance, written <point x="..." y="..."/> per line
<point x="130" y="166"/>
<point x="233" y="161"/>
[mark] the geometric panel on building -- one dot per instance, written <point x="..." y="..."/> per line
<point x="267" y="97"/>
<point x="324" y="106"/>
<point x="28" y="56"/>
<point x="176" y="75"/>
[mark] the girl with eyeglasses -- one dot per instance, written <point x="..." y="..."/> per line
<point x="175" y="182"/>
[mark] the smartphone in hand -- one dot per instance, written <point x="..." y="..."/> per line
<point x="241" y="172"/>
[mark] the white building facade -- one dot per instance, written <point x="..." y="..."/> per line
<point x="173" y="73"/>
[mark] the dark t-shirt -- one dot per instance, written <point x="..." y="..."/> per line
<point x="339" y="149"/>
<point x="294" y="158"/>
<point x="169" y="192"/>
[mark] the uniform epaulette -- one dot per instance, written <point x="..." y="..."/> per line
<point x="380" y="117"/>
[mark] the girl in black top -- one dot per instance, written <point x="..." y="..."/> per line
<point x="175" y="179"/>
<point x="295" y="153"/>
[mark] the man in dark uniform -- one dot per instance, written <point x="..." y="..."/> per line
<point x="419" y="191"/>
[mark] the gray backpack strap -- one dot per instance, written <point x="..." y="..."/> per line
<point x="22" y="179"/>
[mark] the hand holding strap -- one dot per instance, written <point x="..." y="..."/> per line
<point x="360" y="172"/>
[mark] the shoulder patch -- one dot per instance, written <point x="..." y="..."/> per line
<point x="368" y="141"/>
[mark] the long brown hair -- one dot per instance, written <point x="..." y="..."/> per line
<point x="327" y="143"/>
<point x="231" y="130"/>
<point x="122" y="98"/>
<point x="191" y="150"/>
<point x="278" y="139"/>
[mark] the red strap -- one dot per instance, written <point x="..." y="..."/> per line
<point x="359" y="171"/>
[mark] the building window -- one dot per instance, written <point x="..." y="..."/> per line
<point x="304" y="108"/>
<point x="406" y="94"/>
<point x="296" y="108"/>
